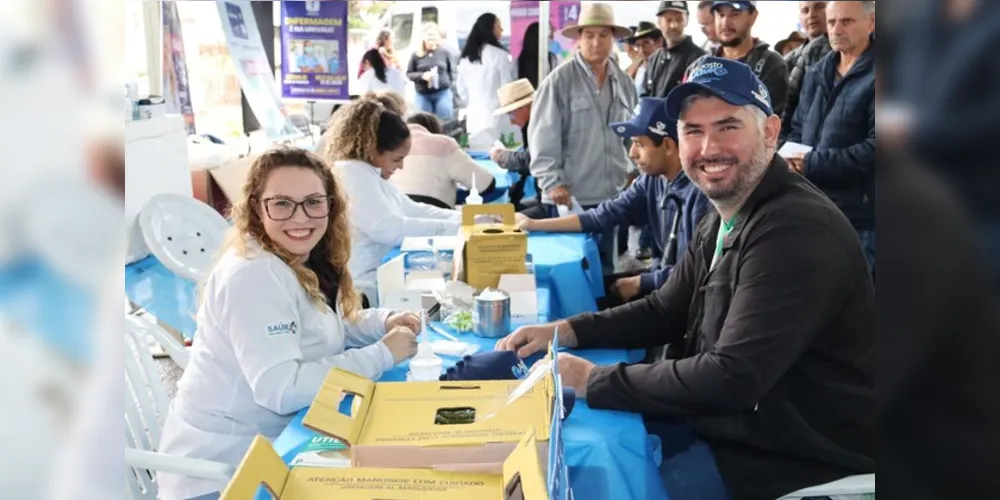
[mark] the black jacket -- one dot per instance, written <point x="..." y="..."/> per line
<point x="769" y="66"/>
<point x="838" y="121"/>
<point x="441" y="59"/>
<point x="799" y="61"/>
<point x="779" y="339"/>
<point x="666" y="67"/>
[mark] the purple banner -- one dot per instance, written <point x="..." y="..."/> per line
<point x="561" y="15"/>
<point x="314" y="50"/>
<point x="176" y="91"/>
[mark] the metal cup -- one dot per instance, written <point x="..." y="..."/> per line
<point x="491" y="318"/>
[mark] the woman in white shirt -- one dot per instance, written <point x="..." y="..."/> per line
<point x="379" y="76"/>
<point x="367" y="143"/>
<point x="437" y="165"/>
<point x="484" y="67"/>
<point x="278" y="312"/>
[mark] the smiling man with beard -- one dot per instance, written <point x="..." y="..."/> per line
<point x="772" y="307"/>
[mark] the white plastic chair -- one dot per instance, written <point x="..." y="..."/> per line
<point x="146" y="406"/>
<point x="860" y="487"/>
<point x="146" y="327"/>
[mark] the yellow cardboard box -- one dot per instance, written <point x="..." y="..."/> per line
<point x="487" y="251"/>
<point x="413" y="425"/>
<point x="521" y="479"/>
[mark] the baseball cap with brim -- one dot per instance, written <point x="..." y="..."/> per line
<point x="736" y="5"/>
<point x="650" y="120"/>
<point x="596" y="15"/>
<point x="731" y="81"/>
<point x="676" y="6"/>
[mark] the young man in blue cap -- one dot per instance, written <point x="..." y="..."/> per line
<point x="661" y="197"/>
<point x="734" y="22"/>
<point x="773" y="308"/>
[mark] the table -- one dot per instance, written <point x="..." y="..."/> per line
<point x="569" y="265"/>
<point x="503" y="180"/>
<point x="608" y="452"/>
<point x="171" y="299"/>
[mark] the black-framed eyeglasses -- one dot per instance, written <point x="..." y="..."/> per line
<point x="282" y="209"/>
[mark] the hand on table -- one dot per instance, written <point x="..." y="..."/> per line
<point x="407" y="319"/>
<point x="575" y="372"/>
<point x="561" y="196"/>
<point x="402" y="343"/>
<point x="524" y="222"/>
<point x="528" y="340"/>
<point x="627" y="288"/>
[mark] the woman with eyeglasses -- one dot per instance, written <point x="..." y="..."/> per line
<point x="366" y="144"/>
<point x="278" y="311"/>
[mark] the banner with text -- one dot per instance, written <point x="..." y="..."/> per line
<point x="176" y="90"/>
<point x="254" y="71"/>
<point x="314" y="50"/>
<point x="561" y="15"/>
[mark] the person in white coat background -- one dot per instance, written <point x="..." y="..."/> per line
<point x="278" y="311"/>
<point x="483" y="68"/>
<point x="366" y="144"/>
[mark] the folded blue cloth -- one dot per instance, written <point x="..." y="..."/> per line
<point x="498" y="365"/>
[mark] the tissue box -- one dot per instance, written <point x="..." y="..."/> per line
<point x="487" y="251"/>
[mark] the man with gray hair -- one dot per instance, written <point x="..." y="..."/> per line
<point x="772" y="310"/>
<point x="836" y="117"/>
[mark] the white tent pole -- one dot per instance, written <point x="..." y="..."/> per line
<point x="152" y="20"/>
<point x="543" y="40"/>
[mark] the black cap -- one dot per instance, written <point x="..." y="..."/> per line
<point x="678" y="6"/>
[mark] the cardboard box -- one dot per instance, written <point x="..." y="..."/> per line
<point x="402" y="291"/>
<point x="521" y="479"/>
<point x="487" y="251"/>
<point x="405" y="425"/>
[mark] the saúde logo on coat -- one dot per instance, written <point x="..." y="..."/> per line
<point x="282" y="329"/>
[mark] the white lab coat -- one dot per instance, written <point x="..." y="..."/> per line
<point x="477" y="85"/>
<point x="395" y="81"/>
<point x="381" y="216"/>
<point x="261" y="352"/>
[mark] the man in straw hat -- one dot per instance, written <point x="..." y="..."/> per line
<point x="667" y="66"/>
<point x="515" y="102"/>
<point x="574" y="152"/>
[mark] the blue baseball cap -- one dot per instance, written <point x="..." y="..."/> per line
<point x="498" y="365"/>
<point x="650" y="119"/>
<point x="747" y="6"/>
<point x="729" y="80"/>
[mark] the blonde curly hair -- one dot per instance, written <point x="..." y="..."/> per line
<point x="362" y="129"/>
<point x="324" y="275"/>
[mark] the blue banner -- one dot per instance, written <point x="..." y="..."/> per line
<point x="314" y="50"/>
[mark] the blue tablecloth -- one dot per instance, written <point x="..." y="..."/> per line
<point x="171" y="299"/>
<point x="569" y="265"/>
<point x="503" y="180"/>
<point x="608" y="452"/>
<point x="43" y="302"/>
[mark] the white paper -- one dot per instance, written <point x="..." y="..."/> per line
<point x="427" y="244"/>
<point x="793" y="149"/>
<point x="523" y="296"/>
<point x="499" y="145"/>
<point x="574" y="208"/>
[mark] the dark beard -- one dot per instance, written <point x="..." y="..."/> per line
<point x="735" y="42"/>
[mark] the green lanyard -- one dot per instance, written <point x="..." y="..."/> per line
<point x="724" y="230"/>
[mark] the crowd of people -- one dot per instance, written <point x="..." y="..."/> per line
<point x="758" y="311"/>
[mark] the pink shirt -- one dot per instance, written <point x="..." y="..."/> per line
<point x="436" y="166"/>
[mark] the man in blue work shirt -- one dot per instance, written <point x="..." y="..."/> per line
<point x="661" y="197"/>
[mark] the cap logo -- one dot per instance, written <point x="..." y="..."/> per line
<point x="713" y="68"/>
<point x="621" y="129"/>
<point x="762" y="95"/>
<point x="659" y="129"/>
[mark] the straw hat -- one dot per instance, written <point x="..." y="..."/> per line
<point x="515" y="95"/>
<point x="596" y="15"/>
